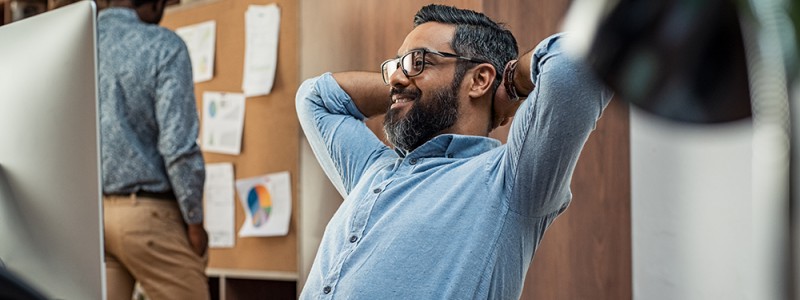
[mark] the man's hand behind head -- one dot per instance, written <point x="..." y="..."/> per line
<point x="503" y="109"/>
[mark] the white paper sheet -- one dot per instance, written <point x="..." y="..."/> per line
<point x="219" y="207"/>
<point x="201" y="39"/>
<point x="223" y="122"/>
<point x="262" y="24"/>
<point x="267" y="202"/>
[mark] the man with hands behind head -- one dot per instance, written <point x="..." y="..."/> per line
<point x="448" y="213"/>
<point x="153" y="170"/>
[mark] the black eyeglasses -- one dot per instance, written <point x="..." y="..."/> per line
<point x="413" y="63"/>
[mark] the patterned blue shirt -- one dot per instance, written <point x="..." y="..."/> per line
<point x="459" y="217"/>
<point x="148" y="114"/>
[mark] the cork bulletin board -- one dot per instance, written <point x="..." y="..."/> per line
<point x="270" y="139"/>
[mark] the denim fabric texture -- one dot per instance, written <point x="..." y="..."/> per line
<point x="460" y="217"/>
<point x="148" y="114"/>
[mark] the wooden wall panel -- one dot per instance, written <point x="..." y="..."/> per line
<point x="348" y="35"/>
<point x="530" y="21"/>
<point x="270" y="142"/>
<point x="586" y="254"/>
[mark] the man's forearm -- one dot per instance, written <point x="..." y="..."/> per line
<point x="367" y="90"/>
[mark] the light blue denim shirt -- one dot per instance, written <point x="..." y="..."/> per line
<point x="148" y="114"/>
<point x="459" y="217"/>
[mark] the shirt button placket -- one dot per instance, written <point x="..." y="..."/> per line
<point x="354" y="238"/>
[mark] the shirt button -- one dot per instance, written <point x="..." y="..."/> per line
<point x="412" y="161"/>
<point x="353" y="239"/>
<point x="377" y="190"/>
<point x="326" y="289"/>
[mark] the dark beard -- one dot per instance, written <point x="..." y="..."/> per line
<point x="425" y="119"/>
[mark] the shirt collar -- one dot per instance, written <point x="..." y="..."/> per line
<point x="121" y="13"/>
<point x="452" y="146"/>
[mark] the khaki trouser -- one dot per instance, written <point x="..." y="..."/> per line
<point x="146" y="241"/>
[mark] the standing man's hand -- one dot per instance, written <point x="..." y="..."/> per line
<point x="198" y="238"/>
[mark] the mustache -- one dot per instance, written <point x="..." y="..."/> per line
<point x="405" y="92"/>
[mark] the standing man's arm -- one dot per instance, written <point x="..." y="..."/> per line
<point x="565" y="99"/>
<point x="176" y="113"/>
<point x="332" y="109"/>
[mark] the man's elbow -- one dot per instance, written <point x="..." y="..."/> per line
<point x="304" y="92"/>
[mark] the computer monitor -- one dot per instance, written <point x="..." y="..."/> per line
<point x="50" y="192"/>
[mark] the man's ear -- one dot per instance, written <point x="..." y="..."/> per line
<point x="481" y="80"/>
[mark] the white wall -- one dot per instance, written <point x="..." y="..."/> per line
<point x="691" y="209"/>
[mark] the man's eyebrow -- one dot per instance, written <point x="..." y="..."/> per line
<point x="415" y="49"/>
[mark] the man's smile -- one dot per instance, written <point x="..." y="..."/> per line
<point x="400" y="101"/>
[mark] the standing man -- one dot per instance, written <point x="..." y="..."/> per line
<point x="153" y="170"/>
<point x="448" y="213"/>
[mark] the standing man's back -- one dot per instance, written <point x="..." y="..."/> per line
<point x="153" y="170"/>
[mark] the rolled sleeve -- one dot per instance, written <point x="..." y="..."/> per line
<point x="334" y="127"/>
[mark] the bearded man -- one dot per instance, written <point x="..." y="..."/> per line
<point x="447" y="213"/>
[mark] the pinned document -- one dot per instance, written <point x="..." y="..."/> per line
<point x="267" y="202"/>
<point x="262" y="24"/>
<point x="223" y="122"/>
<point x="219" y="206"/>
<point x="200" y="39"/>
